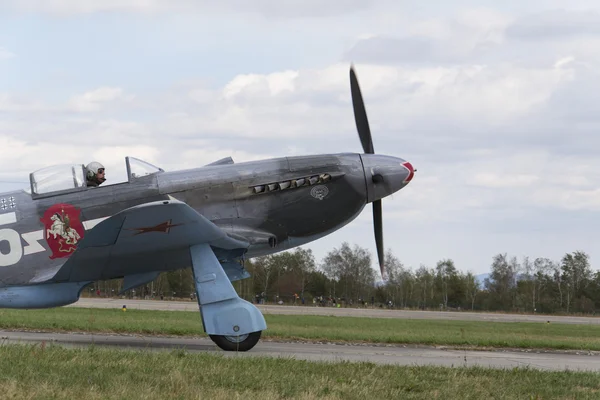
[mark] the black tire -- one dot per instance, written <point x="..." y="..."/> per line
<point x="236" y="343"/>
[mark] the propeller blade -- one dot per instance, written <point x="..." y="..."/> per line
<point x="378" y="226"/>
<point x="360" y="114"/>
<point x="364" y="133"/>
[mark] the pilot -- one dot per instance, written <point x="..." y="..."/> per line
<point x="95" y="174"/>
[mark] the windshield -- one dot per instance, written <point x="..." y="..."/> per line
<point x="137" y="168"/>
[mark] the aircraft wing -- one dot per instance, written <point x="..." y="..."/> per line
<point x="143" y="238"/>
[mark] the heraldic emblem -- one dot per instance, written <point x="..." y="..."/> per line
<point x="63" y="229"/>
<point x="319" y="192"/>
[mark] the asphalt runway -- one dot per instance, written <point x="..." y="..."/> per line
<point x="348" y="312"/>
<point x="397" y="355"/>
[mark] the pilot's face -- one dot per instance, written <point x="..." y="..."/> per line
<point x="101" y="175"/>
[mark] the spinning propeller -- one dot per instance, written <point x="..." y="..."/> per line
<point x="364" y="133"/>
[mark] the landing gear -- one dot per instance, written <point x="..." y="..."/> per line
<point x="236" y="343"/>
<point x="231" y="322"/>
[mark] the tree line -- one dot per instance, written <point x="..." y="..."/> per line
<point x="345" y="276"/>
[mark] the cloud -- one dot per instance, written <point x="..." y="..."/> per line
<point x="269" y="8"/>
<point x="18" y="103"/>
<point x="93" y="100"/>
<point x="555" y="24"/>
<point x="20" y="157"/>
<point x="484" y="37"/>
<point x="254" y="84"/>
<point x="504" y="180"/>
<point x="573" y="200"/>
<point x="467" y="37"/>
<point x="5" y="54"/>
<point x="387" y="50"/>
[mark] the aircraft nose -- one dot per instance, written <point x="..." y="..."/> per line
<point x="385" y="175"/>
<point x="411" y="172"/>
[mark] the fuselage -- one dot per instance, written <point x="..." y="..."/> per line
<point x="273" y="204"/>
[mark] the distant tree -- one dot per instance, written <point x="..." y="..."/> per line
<point x="181" y="282"/>
<point x="502" y="282"/>
<point x="527" y="284"/>
<point x="541" y="268"/>
<point x="576" y="272"/>
<point x="472" y="288"/>
<point x="294" y="269"/>
<point x="265" y="273"/>
<point x="396" y="275"/>
<point x="351" y="267"/>
<point x="303" y="266"/>
<point x="445" y="274"/>
<point x="319" y="284"/>
<point x="424" y="283"/>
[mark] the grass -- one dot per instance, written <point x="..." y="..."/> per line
<point x="37" y="371"/>
<point x="316" y="328"/>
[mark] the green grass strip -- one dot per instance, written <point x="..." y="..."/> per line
<point x="316" y="328"/>
<point x="52" y="372"/>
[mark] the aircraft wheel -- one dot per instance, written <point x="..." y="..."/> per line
<point x="236" y="343"/>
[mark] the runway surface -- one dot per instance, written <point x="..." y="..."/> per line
<point x="348" y="312"/>
<point x="325" y="352"/>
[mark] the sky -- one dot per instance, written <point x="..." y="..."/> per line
<point x="496" y="104"/>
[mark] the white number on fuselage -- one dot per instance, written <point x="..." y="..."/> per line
<point x="15" y="251"/>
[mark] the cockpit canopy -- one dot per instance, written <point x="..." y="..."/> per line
<point x="57" y="178"/>
<point x="67" y="178"/>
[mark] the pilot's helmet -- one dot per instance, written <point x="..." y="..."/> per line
<point x="92" y="169"/>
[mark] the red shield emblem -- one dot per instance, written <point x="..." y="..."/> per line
<point x="63" y="229"/>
